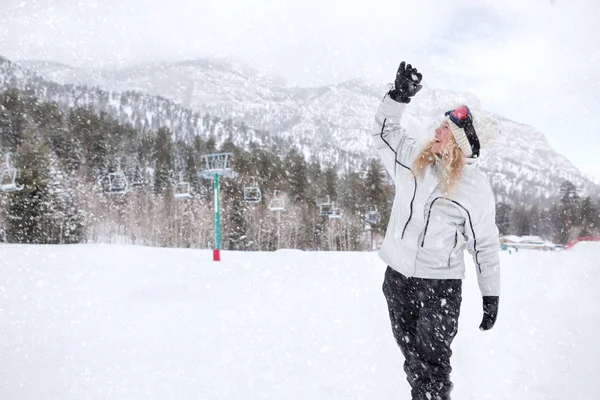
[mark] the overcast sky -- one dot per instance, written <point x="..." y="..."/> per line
<point x="534" y="61"/>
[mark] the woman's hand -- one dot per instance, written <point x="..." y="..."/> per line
<point x="490" y="312"/>
<point x="407" y="83"/>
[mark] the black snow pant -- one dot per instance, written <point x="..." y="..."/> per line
<point x="424" y="315"/>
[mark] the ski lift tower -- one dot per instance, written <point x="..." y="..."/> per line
<point x="213" y="166"/>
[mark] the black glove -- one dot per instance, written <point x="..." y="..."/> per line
<point x="490" y="312"/>
<point x="406" y="84"/>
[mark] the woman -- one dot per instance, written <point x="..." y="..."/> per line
<point x="442" y="201"/>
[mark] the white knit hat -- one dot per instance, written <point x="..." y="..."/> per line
<point x="461" y="138"/>
<point x="469" y="144"/>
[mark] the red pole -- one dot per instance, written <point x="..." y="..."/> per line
<point x="216" y="255"/>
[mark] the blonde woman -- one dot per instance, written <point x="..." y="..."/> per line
<point x="442" y="201"/>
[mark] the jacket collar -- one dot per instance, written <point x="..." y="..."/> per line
<point x="471" y="162"/>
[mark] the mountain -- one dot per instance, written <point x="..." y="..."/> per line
<point x="143" y="111"/>
<point x="197" y="84"/>
<point x="329" y="123"/>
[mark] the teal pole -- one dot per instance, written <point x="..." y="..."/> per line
<point x="216" y="250"/>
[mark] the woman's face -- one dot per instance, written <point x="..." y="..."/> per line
<point x="443" y="136"/>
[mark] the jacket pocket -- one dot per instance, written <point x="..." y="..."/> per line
<point x="437" y="250"/>
<point x="453" y="248"/>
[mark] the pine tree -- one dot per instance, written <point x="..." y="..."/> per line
<point x="235" y="212"/>
<point x="297" y="179"/>
<point x="50" y="125"/>
<point x="228" y="146"/>
<point x="331" y="178"/>
<point x="68" y="218"/>
<point x="13" y="118"/>
<point x="589" y="217"/>
<point x="210" y="145"/>
<point x="352" y="194"/>
<point x="567" y="212"/>
<point x="503" y="218"/>
<point x="377" y="194"/>
<point x="521" y="224"/>
<point x="85" y="128"/>
<point x="545" y="222"/>
<point x="163" y="156"/>
<point x="535" y="217"/>
<point x="30" y="210"/>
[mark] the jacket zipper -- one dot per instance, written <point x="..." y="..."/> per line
<point x="411" y="207"/>
<point x="453" y="247"/>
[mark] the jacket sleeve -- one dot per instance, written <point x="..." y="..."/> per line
<point x="484" y="245"/>
<point x="395" y="147"/>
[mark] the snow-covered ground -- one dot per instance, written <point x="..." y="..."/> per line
<point x="126" y="322"/>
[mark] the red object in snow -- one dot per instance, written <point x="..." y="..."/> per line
<point x="583" y="239"/>
<point x="216" y="255"/>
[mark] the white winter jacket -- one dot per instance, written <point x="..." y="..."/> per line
<point x="427" y="230"/>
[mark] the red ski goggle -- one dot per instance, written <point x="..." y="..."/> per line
<point x="462" y="117"/>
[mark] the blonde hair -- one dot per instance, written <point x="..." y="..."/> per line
<point x="452" y="163"/>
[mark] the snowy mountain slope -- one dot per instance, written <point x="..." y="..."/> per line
<point x="197" y="84"/>
<point x="332" y="123"/>
<point x="125" y="322"/>
<point x="143" y="111"/>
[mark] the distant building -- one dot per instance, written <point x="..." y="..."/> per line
<point x="526" y="242"/>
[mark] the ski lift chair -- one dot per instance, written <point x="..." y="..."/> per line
<point x="138" y="179"/>
<point x="335" y="213"/>
<point x="182" y="189"/>
<point x="373" y="216"/>
<point x="252" y="193"/>
<point x="277" y="203"/>
<point x="117" y="183"/>
<point x="8" y="180"/>
<point x="326" y="208"/>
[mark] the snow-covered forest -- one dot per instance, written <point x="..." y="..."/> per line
<point x="64" y="159"/>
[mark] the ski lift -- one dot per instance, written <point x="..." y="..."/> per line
<point x="335" y="213"/>
<point x="326" y="208"/>
<point x="252" y="193"/>
<point x="8" y="180"/>
<point x="372" y="217"/>
<point x="277" y="203"/>
<point x="117" y="181"/>
<point x="138" y="179"/>
<point x="182" y="188"/>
